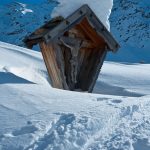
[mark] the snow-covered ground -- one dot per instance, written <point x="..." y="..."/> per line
<point x="130" y="24"/>
<point x="34" y="116"/>
<point x="20" y="18"/>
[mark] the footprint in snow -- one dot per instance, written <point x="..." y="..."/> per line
<point x="116" y="101"/>
<point x="102" y="99"/>
<point x="1" y="137"/>
<point x="56" y="133"/>
<point x="25" y="130"/>
<point x="129" y="110"/>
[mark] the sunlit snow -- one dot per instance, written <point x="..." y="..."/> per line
<point x="35" y="116"/>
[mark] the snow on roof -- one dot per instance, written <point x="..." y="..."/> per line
<point x="102" y="8"/>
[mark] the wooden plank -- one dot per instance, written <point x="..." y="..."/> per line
<point x="102" y="31"/>
<point x="97" y="70"/>
<point x="51" y="64"/>
<point x="61" y="63"/>
<point x="65" y="25"/>
<point x="91" y="33"/>
<point x="92" y="68"/>
<point x="89" y="68"/>
<point x="82" y="80"/>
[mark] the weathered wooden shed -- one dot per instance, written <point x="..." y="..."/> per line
<point x="74" y="49"/>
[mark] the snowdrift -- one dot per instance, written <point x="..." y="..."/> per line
<point x="35" y="116"/>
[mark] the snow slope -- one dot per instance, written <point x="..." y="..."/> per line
<point x="34" y="116"/>
<point x="20" y="18"/>
<point x="130" y="23"/>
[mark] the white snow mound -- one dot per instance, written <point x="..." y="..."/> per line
<point x="35" y="116"/>
<point x="102" y="8"/>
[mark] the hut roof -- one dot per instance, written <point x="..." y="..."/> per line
<point x="58" y="26"/>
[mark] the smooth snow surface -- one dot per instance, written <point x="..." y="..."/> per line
<point x="34" y="116"/>
<point x="102" y="8"/>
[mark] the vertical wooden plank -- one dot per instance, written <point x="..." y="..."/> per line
<point x="90" y="59"/>
<point x="90" y="68"/>
<point x="50" y="60"/>
<point x="97" y="69"/>
<point x="61" y="63"/>
<point x="90" y="32"/>
<point x="84" y="67"/>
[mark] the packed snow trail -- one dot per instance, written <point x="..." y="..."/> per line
<point x="33" y="115"/>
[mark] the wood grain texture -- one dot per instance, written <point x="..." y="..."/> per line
<point x="49" y="56"/>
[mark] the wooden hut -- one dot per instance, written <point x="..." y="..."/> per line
<point x="74" y="49"/>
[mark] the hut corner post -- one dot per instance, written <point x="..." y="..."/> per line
<point x="49" y="56"/>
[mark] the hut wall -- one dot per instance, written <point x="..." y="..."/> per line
<point x="49" y="55"/>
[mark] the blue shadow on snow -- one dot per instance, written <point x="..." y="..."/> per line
<point x="6" y="77"/>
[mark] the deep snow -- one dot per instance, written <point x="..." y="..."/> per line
<point x="35" y="116"/>
<point x="130" y="24"/>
